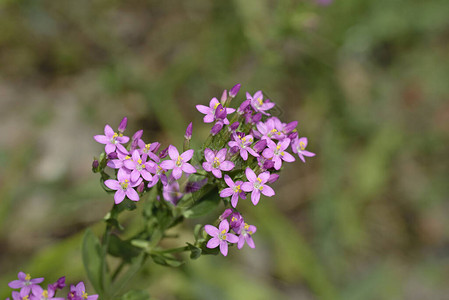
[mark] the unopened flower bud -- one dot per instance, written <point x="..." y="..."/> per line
<point x="268" y="164"/>
<point x="122" y="125"/>
<point x="137" y="135"/>
<point x="141" y="187"/>
<point x="112" y="155"/>
<point x="260" y="145"/>
<point x="256" y="118"/>
<point x="290" y="126"/>
<point x="243" y="106"/>
<point x="293" y="135"/>
<point x="234" y="150"/>
<point x="234" y="90"/>
<point x="216" y="128"/>
<point x="163" y="153"/>
<point x="223" y="98"/>
<point x="234" y="126"/>
<point x="189" y="131"/>
<point x="220" y="112"/>
<point x="225" y="214"/>
<point x="58" y="285"/>
<point x="95" y="164"/>
<point x="273" y="178"/>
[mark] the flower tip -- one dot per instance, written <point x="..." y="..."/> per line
<point x="122" y="125"/>
<point x="189" y="131"/>
<point x="234" y="90"/>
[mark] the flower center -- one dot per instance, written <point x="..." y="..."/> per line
<point x="260" y="101"/>
<point x="25" y="297"/>
<point x="114" y="138"/>
<point x="124" y="184"/>
<point x="302" y="146"/>
<point x="179" y="161"/>
<point x="216" y="163"/>
<point x="258" y="184"/>
<point x="216" y="105"/>
<point x="237" y="189"/>
<point x="84" y="295"/>
<point x="147" y="147"/>
<point x="45" y="294"/>
<point x="222" y="235"/>
<point x="28" y="277"/>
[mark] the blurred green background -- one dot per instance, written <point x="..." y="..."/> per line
<point x="368" y="81"/>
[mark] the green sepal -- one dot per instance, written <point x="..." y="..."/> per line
<point x="195" y="252"/>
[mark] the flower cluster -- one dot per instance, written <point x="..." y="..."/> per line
<point x="242" y="157"/>
<point x="31" y="289"/>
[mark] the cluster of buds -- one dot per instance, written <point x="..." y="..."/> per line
<point x="31" y="289"/>
<point x="243" y="155"/>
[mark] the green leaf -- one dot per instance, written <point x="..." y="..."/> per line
<point x="93" y="260"/>
<point x="166" y="260"/>
<point x="123" y="249"/>
<point x="144" y="244"/>
<point x="136" y="295"/>
<point x="195" y="252"/>
<point x="134" y="267"/>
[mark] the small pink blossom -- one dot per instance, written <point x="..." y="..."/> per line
<point x="178" y="162"/>
<point x="234" y="190"/>
<point x="256" y="185"/>
<point x="299" y="146"/>
<point x="124" y="186"/>
<point x="216" y="163"/>
<point x="111" y="139"/>
<point x="220" y="237"/>
<point x="277" y="152"/>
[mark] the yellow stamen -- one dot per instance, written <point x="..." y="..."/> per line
<point x="147" y="146"/>
<point x="26" y="298"/>
<point x="120" y="135"/>
<point x="278" y="147"/>
<point x="216" y="105"/>
<point x="45" y="294"/>
<point x="115" y="135"/>
<point x="127" y="157"/>
<point x="139" y="161"/>
<point x="28" y="277"/>
<point x="250" y="232"/>
<point x="223" y="231"/>
<point x="302" y="146"/>
<point x="84" y="295"/>
<point x="246" y="226"/>
<point x="260" y="101"/>
<point x="258" y="179"/>
<point x="282" y="153"/>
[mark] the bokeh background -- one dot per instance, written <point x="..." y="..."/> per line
<point x="368" y="81"/>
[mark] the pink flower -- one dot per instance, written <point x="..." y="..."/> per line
<point x="277" y="152"/>
<point x="234" y="190"/>
<point x="123" y="186"/>
<point x="79" y="292"/>
<point x="178" y="162"/>
<point x="257" y="185"/>
<point x="299" y="146"/>
<point x="258" y="104"/>
<point x="216" y="163"/>
<point x="25" y="282"/>
<point x="245" y="232"/>
<point x="139" y="167"/>
<point x="220" y="237"/>
<point x="244" y="144"/>
<point x="210" y="111"/>
<point x="111" y="139"/>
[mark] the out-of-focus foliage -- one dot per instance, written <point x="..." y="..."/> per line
<point x="367" y="80"/>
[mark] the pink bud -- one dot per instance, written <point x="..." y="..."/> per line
<point x="234" y="90"/>
<point x="122" y="125"/>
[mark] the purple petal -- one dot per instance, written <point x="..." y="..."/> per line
<point x="264" y="176"/>
<point x="250" y="175"/>
<point x="221" y="155"/>
<point x="109" y="148"/>
<point x="255" y="197"/>
<point x="226" y="192"/>
<point x="208" y="118"/>
<point x="211" y="230"/>
<point x="224" y="248"/>
<point x="16" y="284"/>
<point x="207" y="166"/>
<point x="227" y="165"/>
<point x="217" y="173"/>
<point x="307" y="153"/>
<point x="288" y="157"/>
<point x="135" y="156"/>
<point x="250" y="242"/>
<point x="301" y="157"/>
<point x="244" y="154"/>
<point x="277" y="162"/>
<point x="129" y="164"/>
<point x="167" y="164"/>
<point x="267" y="191"/>
<point x="173" y="152"/>
<point x="247" y="186"/>
<point x="108" y="131"/>
<point x="232" y="238"/>
<point x="146" y="175"/>
<point x="135" y="175"/>
<point x="203" y="109"/>
<point x="229" y="181"/>
<point x="112" y="184"/>
<point x="102" y="139"/>
<point x="132" y="194"/>
<point x="234" y="199"/>
<point x="209" y="155"/>
<point x="268" y="153"/>
<point x="188" y="168"/>
<point x="177" y="173"/>
<point x="284" y="144"/>
<point x="119" y="196"/>
<point x="213" y="243"/>
<point x="213" y="102"/>
<point x="186" y="156"/>
<point x="241" y="242"/>
<point x="224" y="225"/>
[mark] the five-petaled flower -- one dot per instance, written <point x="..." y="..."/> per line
<point x="243" y="143"/>
<point x="216" y="163"/>
<point x="139" y="167"/>
<point x="299" y="146"/>
<point x="25" y="282"/>
<point x="277" y="152"/>
<point x="258" y="104"/>
<point x="111" y="139"/>
<point x="78" y="292"/>
<point x="257" y="185"/>
<point x="210" y="111"/>
<point x="178" y="162"/>
<point x="124" y="186"/>
<point x="234" y="190"/>
<point x="220" y="236"/>
<point x="245" y="232"/>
